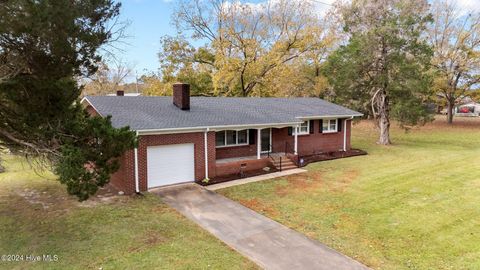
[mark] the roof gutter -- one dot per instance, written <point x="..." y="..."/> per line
<point x="213" y="128"/>
<point x="203" y="128"/>
<point x="350" y="116"/>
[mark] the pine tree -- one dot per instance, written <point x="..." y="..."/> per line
<point x="45" y="46"/>
<point x="384" y="69"/>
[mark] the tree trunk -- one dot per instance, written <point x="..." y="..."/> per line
<point x="383" y="119"/>
<point x="450" y="106"/>
<point x="384" y="124"/>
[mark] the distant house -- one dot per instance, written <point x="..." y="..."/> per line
<point x="122" y="93"/>
<point x="188" y="139"/>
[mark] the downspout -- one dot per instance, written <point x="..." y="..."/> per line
<point x="135" y="151"/>
<point x="345" y="134"/>
<point x="206" y="152"/>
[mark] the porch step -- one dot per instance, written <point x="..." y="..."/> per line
<point x="287" y="164"/>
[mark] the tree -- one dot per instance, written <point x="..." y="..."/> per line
<point x="455" y="37"/>
<point x="152" y="85"/>
<point x="108" y="78"/>
<point x="250" y="41"/>
<point x="44" y="47"/>
<point x="180" y="61"/>
<point x="383" y="70"/>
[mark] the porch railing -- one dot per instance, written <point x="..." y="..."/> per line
<point x="270" y="150"/>
<point x="289" y="149"/>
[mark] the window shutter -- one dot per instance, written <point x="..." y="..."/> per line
<point x="320" y="126"/>
<point x="251" y="136"/>
<point x="339" y="125"/>
<point x="290" y="131"/>
<point x="312" y="126"/>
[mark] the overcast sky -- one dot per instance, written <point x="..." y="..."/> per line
<point x="150" y="20"/>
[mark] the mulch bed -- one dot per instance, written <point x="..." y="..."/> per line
<point x="231" y="177"/>
<point x="332" y="155"/>
<point x="306" y="160"/>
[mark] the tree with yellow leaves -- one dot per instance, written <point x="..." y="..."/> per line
<point x="250" y="42"/>
<point x="455" y="37"/>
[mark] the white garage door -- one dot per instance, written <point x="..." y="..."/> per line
<point x="170" y="164"/>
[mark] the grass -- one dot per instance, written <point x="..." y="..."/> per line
<point x="37" y="217"/>
<point x="412" y="205"/>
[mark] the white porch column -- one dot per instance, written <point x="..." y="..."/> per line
<point x="295" y="144"/>
<point x="345" y="135"/>
<point x="135" y="156"/>
<point x="259" y="142"/>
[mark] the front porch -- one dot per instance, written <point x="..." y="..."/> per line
<point x="249" y="152"/>
<point x="249" y="166"/>
<point x="252" y="152"/>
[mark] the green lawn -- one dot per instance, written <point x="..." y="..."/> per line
<point x="37" y="217"/>
<point x="413" y="205"/>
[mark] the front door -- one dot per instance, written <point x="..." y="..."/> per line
<point x="266" y="139"/>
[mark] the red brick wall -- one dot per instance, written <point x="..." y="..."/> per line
<point x="307" y="144"/>
<point x="237" y="151"/>
<point x="91" y="110"/>
<point x="124" y="179"/>
<point x="234" y="167"/>
<point x="199" y="150"/>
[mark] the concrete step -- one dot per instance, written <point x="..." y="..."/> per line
<point x="290" y="167"/>
<point x="283" y="161"/>
<point x="284" y="164"/>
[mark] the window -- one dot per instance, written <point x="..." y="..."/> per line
<point x="329" y="125"/>
<point x="242" y="137"/>
<point x="220" y="138"/>
<point x="304" y="128"/>
<point x="231" y="138"/>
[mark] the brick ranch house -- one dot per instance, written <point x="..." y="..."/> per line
<point x="193" y="138"/>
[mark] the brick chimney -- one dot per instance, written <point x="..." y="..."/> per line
<point x="181" y="95"/>
<point x="120" y="93"/>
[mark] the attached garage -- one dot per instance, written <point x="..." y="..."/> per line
<point x="170" y="164"/>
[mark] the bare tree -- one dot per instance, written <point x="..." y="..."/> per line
<point x="455" y="37"/>
<point x="108" y="78"/>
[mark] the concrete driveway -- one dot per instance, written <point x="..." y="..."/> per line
<point x="264" y="241"/>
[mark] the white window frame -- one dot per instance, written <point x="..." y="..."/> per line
<point x="329" y="130"/>
<point x="303" y="132"/>
<point x="236" y="139"/>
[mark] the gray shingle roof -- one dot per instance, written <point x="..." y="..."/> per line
<point x="152" y="113"/>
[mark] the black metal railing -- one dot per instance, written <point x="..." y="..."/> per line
<point x="269" y="152"/>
